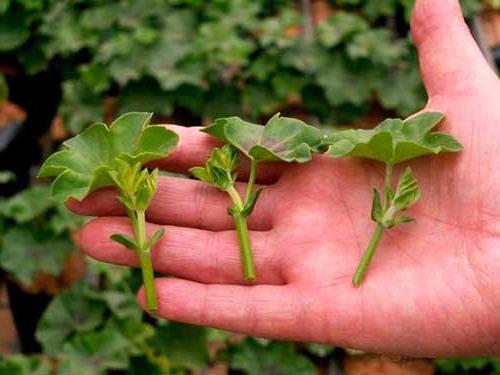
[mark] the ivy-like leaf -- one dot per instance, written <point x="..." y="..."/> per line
<point x="395" y="140"/>
<point x="95" y="353"/>
<point x="276" y="358"/>
<point x="282" y="139"/>
<point x="86" y="159"/>
<point x="219" y="168"/>
<point x="172" y="339"/>
<point x="28" y="204"/>
<point x="26" y="251"/>
<point x="407" y="192"/>
<point x="73" y="311"/>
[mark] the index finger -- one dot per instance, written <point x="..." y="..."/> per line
<point x="194" y="149"/>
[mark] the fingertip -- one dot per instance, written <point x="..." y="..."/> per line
<point x="93" y="237"/>
<point x="439" y="31"/>
<point x="431" y="15"/>
<point x="74" y="205"/>
<point x="141" y="298"/>
<point x="102" y="202"/>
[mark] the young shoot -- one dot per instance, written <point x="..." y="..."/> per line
<point x="281" y="139"/>
<point x="392" y="142"/>
<point x="114" y="156"/>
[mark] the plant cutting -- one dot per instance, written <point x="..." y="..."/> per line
<point x="393" y="141"/>
<point x="281" y="139"/>
<point x="115" y="156"/>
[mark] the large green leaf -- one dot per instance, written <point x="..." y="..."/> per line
<point x="25" y="252"/>
<point x="273" y="359"/>
<point x="95" y="353"/>
<point x="282" y="139"/>
<point x="74" y="311"/>
<point x="395" y="140"/>
<point x="86" y="159"/>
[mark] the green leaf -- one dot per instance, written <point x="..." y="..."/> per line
<point x="122" y="304"/>
<point x="399" y="220"/>
<point x="347" y="82"/>
<point x="72" y="312"/>
<point x="378" y="46"/>
<point x="126" y="241"/>
<point x="28" y="204"/>
<point x="14" y="30"/>
<point x="172" y="339"/>
<point x="85" y="161"/>
<point x="275" y="358"/>
<point x="157" y="235"/>
<point x="376" y="207"/>
<point x="407" y="192"/>
<point x="18" y="364"/>
<point x="395" y="140"/>
<point x="94" y="353"/>
<point x="250" y="205"/>
<point x="340" y="26"/>
<point x="219" y="168"/>
<point x="27" y="251"/>
<point x="282" y="139"/>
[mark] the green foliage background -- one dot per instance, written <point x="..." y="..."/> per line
<point x="219" y="57"/>
<point x="207" y="59"/>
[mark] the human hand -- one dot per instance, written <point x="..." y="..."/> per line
<point x="432" y="287"/>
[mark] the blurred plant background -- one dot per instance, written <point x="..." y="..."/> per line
<point x="66" y="64"/>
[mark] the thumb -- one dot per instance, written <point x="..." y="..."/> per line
<point x="450" y="60"/>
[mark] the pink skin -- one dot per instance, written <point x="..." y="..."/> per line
<point x="433" y="288"/>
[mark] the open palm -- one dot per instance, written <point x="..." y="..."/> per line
<point x="432" y="288"/>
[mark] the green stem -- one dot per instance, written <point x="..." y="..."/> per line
<point x="139" y="225"/>
<point x="243" y="235"/>
<point x="251" y="180"/>
<point x="367" y="256"/>
<point x="245" y="247"/>
<point x="359" y="275"/>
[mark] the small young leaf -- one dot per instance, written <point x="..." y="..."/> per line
<point x="394" y="140"/>
<point x="403" y="219"/>
<point x="201" y="174"/>
<point x="219" y="168"/>
<point x="376" y="207"/>
<point x="156" y="236"/>
<point x="282" y="139"/>
<point x="128" y="242"/>
<point x="248" y="209"/>
<point x="407" y="192"/>
<point x="231" y="211"/>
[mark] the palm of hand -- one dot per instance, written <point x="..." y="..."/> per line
<point x="430" y="289"/>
